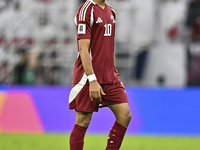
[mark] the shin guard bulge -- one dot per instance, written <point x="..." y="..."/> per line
<point x="115" y="137"/>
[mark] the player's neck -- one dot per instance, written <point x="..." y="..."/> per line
<point x="101" y="3"/>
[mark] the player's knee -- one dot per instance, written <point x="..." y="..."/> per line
<point x="83" y="122"/>
<point x="129" y="116"/>
<point x="125" y="118"/>
<point x="83" y="119"/>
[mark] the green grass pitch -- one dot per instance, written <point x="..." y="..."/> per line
<point x="96" y="142"/>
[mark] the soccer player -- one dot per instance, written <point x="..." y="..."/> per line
<point x="95" y="79"/>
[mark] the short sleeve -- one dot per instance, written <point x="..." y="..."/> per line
<point x="83" y="23"/>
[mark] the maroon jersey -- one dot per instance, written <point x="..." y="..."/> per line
<point x="98" y="25"/>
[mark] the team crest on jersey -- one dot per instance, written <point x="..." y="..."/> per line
<point x="113" y="19"/>
<point x="81" y="29"/>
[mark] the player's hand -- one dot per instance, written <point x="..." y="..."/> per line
<point x="95" y="91"/>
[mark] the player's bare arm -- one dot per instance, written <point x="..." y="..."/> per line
<point x="95" y="89"/>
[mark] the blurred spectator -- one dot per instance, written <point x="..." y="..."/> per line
<point x="20" y="69"/>
<point x="167" y="59"/>
<point x="24" y="71"/>
<point x="193" y="26"/>
<point x="170" y="18"/>
<point x="193" y="19"/>
<point x="143" y="36"/>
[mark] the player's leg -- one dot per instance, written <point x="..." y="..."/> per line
<point x="78" y="133"/>
<point x="83" y="118"/>
<point x="117" y="132"/>
<point x="122" y="113"/>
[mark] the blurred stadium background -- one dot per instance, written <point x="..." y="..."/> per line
<point x="157" y="55"/>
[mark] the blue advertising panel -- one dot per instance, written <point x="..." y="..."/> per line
<point x="42" y="109"/>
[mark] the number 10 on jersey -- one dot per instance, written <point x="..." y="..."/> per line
<point x="108" y="29"/>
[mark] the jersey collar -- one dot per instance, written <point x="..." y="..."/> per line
<point x="92" y="1"/>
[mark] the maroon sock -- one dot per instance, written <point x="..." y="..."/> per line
<point x="77" y="137"/>
<point x="115" y="136"/>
